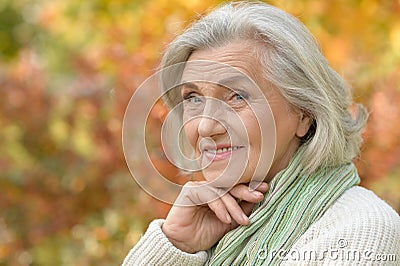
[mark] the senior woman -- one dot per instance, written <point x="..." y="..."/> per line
<point x="312" y="211"/>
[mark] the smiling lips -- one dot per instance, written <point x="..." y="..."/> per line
<point x="220" y="153"/>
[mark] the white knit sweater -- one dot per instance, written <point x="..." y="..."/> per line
<point x="358" y="229"/>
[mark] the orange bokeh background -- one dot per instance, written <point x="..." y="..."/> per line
<point x="67" y="71"/>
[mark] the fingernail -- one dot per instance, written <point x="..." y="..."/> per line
<point x="245" y="218"/>
<point x="228" y="218"/>
<point x="257" y="194"/>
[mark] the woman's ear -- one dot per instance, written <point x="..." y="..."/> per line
<point x="304" y="125"/>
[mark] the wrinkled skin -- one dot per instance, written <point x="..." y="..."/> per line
<point x="214" y="211"/>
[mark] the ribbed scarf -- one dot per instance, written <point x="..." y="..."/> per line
<point x="294" y="201"/>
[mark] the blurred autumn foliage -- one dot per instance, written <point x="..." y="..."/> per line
<point x="67" y="71"/>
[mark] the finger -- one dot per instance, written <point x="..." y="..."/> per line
<point x="242" y="192"/>
<point x="200" y="194"/>
<point x="247" y="207"/>
<point x="197" y="194"/>
<point x="258" y="185"/>
<point x="234" y="209"/>
<point x="263" y="187"/>
<point x="219" y="208"/>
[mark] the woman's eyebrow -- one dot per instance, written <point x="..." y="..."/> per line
<point x="238" y="84"/>
<point x="232" y="82"/>
<point x="190" y="85"/>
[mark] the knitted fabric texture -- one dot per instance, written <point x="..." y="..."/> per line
<point x="295" y="200"/>
<point x="155" y="249"/>
<point x="363" y="221"/>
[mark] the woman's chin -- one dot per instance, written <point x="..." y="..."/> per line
<point x="224" y="179"/>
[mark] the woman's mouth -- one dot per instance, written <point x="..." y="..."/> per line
<point x="220" y="153"/>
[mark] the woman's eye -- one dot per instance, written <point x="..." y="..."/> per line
<point x="192" y="98"/>
<point x="240" y="97"/>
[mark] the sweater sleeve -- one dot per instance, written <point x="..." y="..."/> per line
<point x="359" y="229"/>
<point x="154" y="248"/>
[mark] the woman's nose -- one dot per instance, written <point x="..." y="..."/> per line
<point x="209" y="126"/>
<point x="211" y="121"/>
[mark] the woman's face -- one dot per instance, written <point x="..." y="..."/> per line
<point x="229" y="123"/>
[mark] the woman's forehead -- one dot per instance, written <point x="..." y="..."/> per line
<point x="224" y="80"/>
<point x="233" y="54"/>
<point x="212" y="75"/>
<point x="232" y="63"/>
<point x="210" y="70"/>
<point x="221" y="83"/>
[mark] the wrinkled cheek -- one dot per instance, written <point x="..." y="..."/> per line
<point x="190" y="130"/>
<point x="263" y="143"/>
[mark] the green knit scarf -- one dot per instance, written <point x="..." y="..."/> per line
<point x="294" y="201"/>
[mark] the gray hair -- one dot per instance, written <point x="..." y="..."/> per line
<point x="292" y="62"/>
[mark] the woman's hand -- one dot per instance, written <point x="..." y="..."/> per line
<point x="202" y="215"/>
